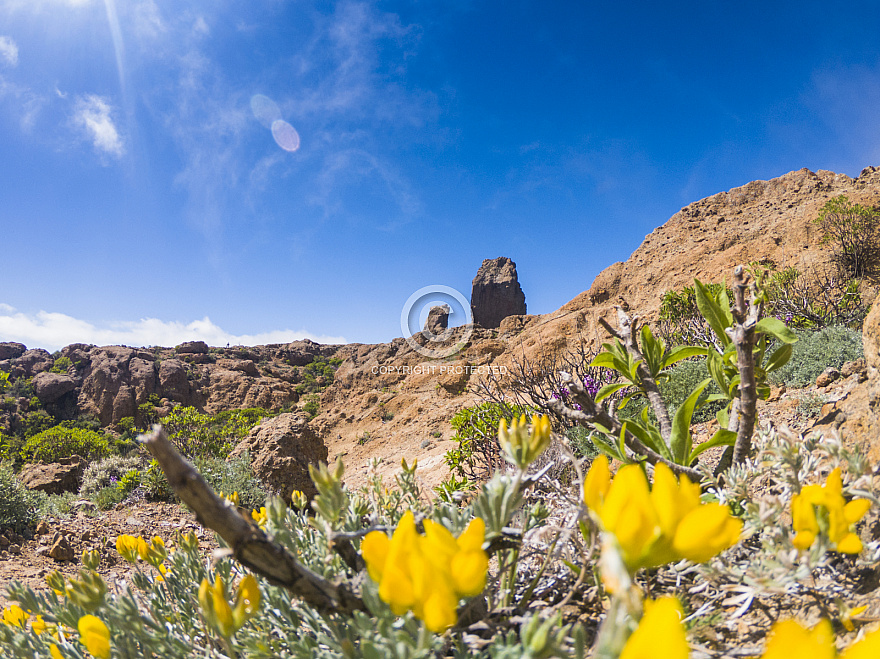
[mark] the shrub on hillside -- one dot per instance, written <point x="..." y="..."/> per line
<point x="196" y="434"/>
<point x="851" y="230"/>
<point x="18" y="505"/>
<point x="59" y="442"/>
<point x="817" y="350"/>
<point x="233" y="475"/>
<point x="107" y="473"/>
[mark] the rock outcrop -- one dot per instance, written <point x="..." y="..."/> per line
<point x="496" y="293"/>
<point x="438" y="319"/>
<point x="281" y="450"/>
<point x="56" y="477"/>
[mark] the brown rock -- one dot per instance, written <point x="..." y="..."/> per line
<point x="34" y="361"/>
<point x="172" y="377"/>
<point x="61" y="550"/>
<point x="55" y="478"/>
<point x="49" y="387"/>
<point x="827" y="376"/>
<point x="852" y="368"/>
<point x="438" y="319"/>
<point x="247" y="367"/>
<point x="11" y="350"/>
<point x="42" y="528"/>
<point x="496" y="293"/>
<point x="192" y="347"/>
<point x="281" y="449"/>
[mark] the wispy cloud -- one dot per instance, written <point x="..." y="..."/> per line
<point x="52" y="331"/>
<point x="92" y="114"/>
<point x="8" y="51"/>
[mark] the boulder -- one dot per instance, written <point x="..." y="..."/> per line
<point x="11" y="350"/>
<point x="496" y="293"/>
<point x="281" y="450"/>
<point x="193" y="347"/>
<point x="34" y="361"/>
<point x="438" y="319"/>
<point x="173" y="380"/>
<point x="247" y="367"/>
<point x="56" y="477"/>
<point x="49" y="387"/>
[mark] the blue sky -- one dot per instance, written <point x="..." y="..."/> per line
<point x="256" y="171"/>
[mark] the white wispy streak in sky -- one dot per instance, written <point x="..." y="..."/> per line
<point x="8" y="51"/>
<point x="93" y="115"/>
<point x="53" y="330"/>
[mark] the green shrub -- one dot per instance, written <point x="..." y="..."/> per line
<point x="37" y="422"/>
<point x="18" y="505"/>
<point x="156" y="484"/>
<point x="817" y="350"/>
<point x="60" y="442"/>
<point x="581" y="444"/>
<point x="107" y="473"/>
<point x="233" y="475"/>
<point x="851" y="230"/>
<point x="311" y="406"/>
<point x="478" y="455"/>
<point x="129" y="481"/>
<point x="61" y="365"/>
<point x="196" y="434"/>
<point x="108" y="497"/>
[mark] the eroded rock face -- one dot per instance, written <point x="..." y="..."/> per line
<point x="49" y="387"/>
<point x="438" y="319"/>
<point x="281" y="450"/>
<point x="496" y="293"/>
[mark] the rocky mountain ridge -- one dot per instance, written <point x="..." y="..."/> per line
<point x="387" y="401"/>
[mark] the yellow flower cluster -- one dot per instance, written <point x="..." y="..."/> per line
<point x="789" y="639"/>
<point x="260" y="517"/>
<point x="656" y="526"/>
<point x="226" y="619"/>
<point x="429" y="573"/>
<point x="661" y="634"/>
<point x="520" y="446"/>
<point x="822" y="508"/>
<point x="153" y="552"/>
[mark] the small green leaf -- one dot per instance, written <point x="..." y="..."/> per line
<point x="722" y="437"/>
<point x="683" y="352"/>
<point x="680" y="440"/>
<point x="779" y="358"/>
<point x="715" y="365"/>
<point x="777" y="329"/>
<point x="609" y="389"/>
<point x="712" y="312"/>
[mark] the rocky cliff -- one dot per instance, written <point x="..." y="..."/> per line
<point x="387" y="402"/>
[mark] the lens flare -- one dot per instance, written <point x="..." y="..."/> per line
<point x="265" y="110"/>
<point x="285" y="135"/>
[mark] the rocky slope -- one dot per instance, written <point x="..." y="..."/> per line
<point x="387" y="402"/>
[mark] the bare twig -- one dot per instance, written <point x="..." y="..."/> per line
<point x="250" y="545"/>
<point x="627" y="336"/>
<point x="591" y="414"/>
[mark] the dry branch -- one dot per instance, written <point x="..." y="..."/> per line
<point x="592" y="414"/>
<point x="250" y="545"/>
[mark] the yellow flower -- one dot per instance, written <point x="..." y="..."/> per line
<point x="659" y="634"/>
<point x="232" y="498"/>
<point x="127" y="546"/>
<point x="520" y="446"/>
<point x="38" y="626"/>
<point x="14" y="616"/>
<point x="95" y="635"/>
<point x="656" y="526"/>
<point x="867" y="648"/>
<point x="819" y="508"/>
<point x="217" y="611"/>
<point x="153" y="553"/>
<point x="247" y="601"/>
<point x="427" y="574"/>
<point x="55" y="652"/>
<point x="260" y="517"/>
